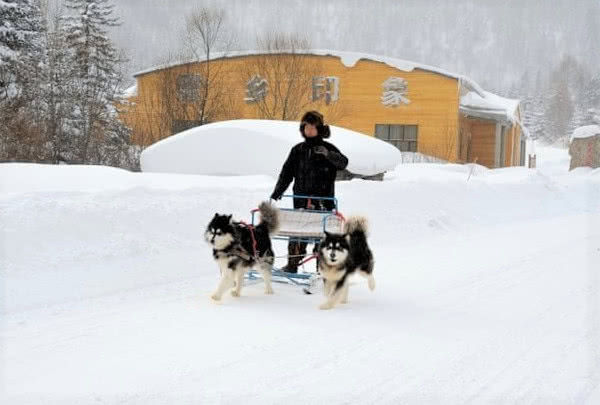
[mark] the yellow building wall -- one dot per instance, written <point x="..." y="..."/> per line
<point x="482" y="137"/>
<point x="513" y="146"/>
<point x="483" y="140"/>
<point x="433" y="107"/>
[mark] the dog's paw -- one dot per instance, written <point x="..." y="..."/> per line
<point x="215" y="297"/>
<point x="269" y="290"/>
<point x="235" y="293"/>
<point x="326" y="305"/>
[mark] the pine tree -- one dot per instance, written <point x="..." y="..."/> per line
<point x="59" y="96"/>
<point x="21" y="45"/>
<point x="22" y="63"/>
<point x="10" y="42"/>
<point x="587" y="100"/>
<point x="594" y="116"/>
<point x="96" y="65"/>
<point x="559" y="111"/>
<point x="591" y="95"/>
<point x="580" y="118"/>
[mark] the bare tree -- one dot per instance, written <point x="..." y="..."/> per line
<point x="446" y="148"/>
<point x="207" y="96"/>
<point x="152" y="115"/>
<point x="193" y="89"/>
<point x="280" y="78"/>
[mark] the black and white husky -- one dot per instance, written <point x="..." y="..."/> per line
<point x="237" y="248"/>
<point x="340" y="256"/>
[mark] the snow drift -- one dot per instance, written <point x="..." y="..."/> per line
<point x="249" y="147"/>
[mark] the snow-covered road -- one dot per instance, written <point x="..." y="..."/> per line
<point x="488" y="291"/>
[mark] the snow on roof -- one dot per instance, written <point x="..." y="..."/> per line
<point x="490" y="106"/>
<point x="477" y="102"/>
<point x="130" y="91"/>
<point x="254" y="147"/>
<point x="349" y="59"/>
<point x="586" y="131"/>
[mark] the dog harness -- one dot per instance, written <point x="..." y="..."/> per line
<point x="254" y="243"/>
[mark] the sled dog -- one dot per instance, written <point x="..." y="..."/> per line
<point x="238" y="247"/>
<point x="340" y="256"/>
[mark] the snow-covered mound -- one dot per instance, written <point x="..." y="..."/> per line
<point x="39" y="178"/>
<point x="249" y="147"/>
<point x="585" y="132"/>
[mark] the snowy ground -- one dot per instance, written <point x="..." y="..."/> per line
<point x="488" y="291"/>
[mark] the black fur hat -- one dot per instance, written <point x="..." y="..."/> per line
<point x="315" y="118"/>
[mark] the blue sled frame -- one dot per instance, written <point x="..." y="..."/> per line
<point x="302" y="278"/>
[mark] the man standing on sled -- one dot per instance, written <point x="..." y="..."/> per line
<point x="312" y="165"/>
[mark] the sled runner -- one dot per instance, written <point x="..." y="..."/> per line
<point x="302" y="225"/>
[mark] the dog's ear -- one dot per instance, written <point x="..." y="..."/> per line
<point x="347" y="237"/>
<point x="216" y="214"/>
<point x="229" y="218"/>
<point x="327" y="234"/>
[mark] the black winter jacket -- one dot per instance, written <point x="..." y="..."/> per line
<point x="313" y="174"/>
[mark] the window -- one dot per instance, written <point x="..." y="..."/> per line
<point x="404" y="137"/>
<point x="188" y="87"/>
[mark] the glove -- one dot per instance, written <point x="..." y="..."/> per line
<point x="275" y="197"/>
<point x="321" y="150"/>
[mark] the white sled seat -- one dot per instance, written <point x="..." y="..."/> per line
<point x="299" y="223"/>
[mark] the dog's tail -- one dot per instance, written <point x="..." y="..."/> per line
<point x="357" y="230"/>
<point x="269" y="216"/>
<point x="357" y="224"/>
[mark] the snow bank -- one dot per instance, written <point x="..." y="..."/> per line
<point x="258" y="147"/>
<point x="487" y="292"/>
<point x="34" y="178"/>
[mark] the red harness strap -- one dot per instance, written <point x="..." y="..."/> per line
<point x="339" y="215"/>
<point x="308" y="259"/>
<point x="254" y="244"/>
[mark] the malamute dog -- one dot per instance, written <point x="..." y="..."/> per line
<point x="237" y="248"/>
<point x="340" y="256"/>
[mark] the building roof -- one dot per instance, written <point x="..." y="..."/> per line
<point x="477" y="102"/>
<point x="490" y="106"/>
<point x="349" y="59"/>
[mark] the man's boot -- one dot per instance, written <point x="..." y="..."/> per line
<point x="296" y="252"/>
<point x="291" y="266"/>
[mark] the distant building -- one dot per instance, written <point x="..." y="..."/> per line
<point x="415" y="107"/>
<point x="584" y="147"/>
